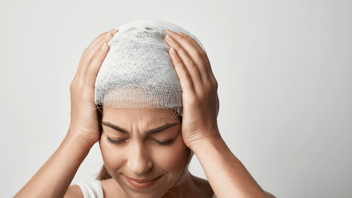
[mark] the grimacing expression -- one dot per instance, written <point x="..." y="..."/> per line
<point x="130" y="147"/>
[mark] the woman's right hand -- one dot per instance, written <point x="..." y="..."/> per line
<point x="84" y="122"/>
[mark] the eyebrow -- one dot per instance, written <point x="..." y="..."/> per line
<point x="149" y="132"/>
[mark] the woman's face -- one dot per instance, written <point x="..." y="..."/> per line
<point x="131" y="149"/>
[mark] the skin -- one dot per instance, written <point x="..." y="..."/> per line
<point x="199" y="131"/>
<point x="140" y="156"/>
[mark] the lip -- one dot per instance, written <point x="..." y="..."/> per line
<point x="142" y="184"/>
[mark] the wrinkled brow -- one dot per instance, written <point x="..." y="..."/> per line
<point x="149" y="132"/>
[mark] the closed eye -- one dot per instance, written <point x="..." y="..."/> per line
<point x="118" y="142"/>
<point x="112" y="141"/>
<point x="168" y="142"/>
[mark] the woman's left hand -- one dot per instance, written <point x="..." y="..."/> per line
<point x="199" y="87"/>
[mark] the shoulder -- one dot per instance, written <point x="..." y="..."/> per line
<point x="91" y="189"/>
<point x="111" y="188"/>
<point x="74" y="191"/>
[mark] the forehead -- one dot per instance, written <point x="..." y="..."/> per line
<point x="151" y="116"/>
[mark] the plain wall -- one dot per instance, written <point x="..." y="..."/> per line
<point x="284" y="70"/>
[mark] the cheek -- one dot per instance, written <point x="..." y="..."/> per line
<point x="173" y="157"/>
<point x="109" y="155"/>
<point x="170" y="158"/>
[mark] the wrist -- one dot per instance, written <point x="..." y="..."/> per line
<point x="206" y="143"/>
<point x="77" y="139"/>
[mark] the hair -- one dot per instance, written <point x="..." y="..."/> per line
<point x="103" y="173"/>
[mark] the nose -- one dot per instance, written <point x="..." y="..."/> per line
<point x="139" y="159"/>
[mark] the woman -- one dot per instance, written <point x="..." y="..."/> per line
<point x="149" y="145"/>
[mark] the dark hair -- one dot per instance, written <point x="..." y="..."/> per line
<point x="104" y="174"/>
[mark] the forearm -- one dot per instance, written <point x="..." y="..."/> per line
<point x="55" y="176"/>
<point x="226" y="174"/>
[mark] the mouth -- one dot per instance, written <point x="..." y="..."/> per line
<point x="142" y="184"/>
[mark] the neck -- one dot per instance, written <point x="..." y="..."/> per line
<point x="185" y="177"/>
<point x="184" y="184"/>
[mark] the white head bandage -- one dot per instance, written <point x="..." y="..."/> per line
<point x="137" y="71"/>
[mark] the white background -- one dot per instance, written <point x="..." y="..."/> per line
<point x="284" y="70"/>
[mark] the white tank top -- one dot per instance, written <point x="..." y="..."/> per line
<point x="94" y="189"/>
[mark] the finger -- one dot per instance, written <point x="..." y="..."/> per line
<point x="96" y="40"/>
<point x="91" y="54"/>
<point x="217" y="105"/>
<point x="204" y="55"/>
<point x="90" y="47"/>
<point x="188" y="62"/>
<point x="182" y="73"/>
<point x="94" y="66"/>
<point x="199" y="51"/>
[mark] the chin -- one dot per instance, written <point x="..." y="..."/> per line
<point x="158" y="190"/>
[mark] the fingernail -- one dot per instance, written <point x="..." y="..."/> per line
<point x="113" y="31"/>
<point x="173" y="50"/>
<point x="169" y="38"/>
<point x="103" y="47"/>
<point x="169" y="31"/>
<point x="107" y="35"/>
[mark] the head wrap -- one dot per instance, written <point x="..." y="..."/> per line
<point x="137" y="72"/>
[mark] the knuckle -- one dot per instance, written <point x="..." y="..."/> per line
<point x="202" y="52"/>
<point x="192" y="64"/>
<point x="183" y="38"/>
<point x="178" y="49"/>
<point x="72" y="86"/>
<point x="191" y="39"/>
<point x="85" y="61"/>
<point x="84" y="53"/>
<point x="178" y="62"/>
<point x="187" y="76"/>
<point x="79" y="84"/>
<point x="216" y="84"/>
<point x="96" y="58"/>
<point x="208" y="85"/>
<point x="195" y="53"/>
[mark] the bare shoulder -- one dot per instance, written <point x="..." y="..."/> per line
<point x="269" y="194"/>
<point x="111" y="188"/>
<point x="74" y="191"/>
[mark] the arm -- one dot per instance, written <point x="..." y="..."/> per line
<point x="269" y="195"/>
<point x="55" y="176"/>
<point x="226" y="174"/>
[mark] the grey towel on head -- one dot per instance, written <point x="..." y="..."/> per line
<point x="137" y="72"/>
